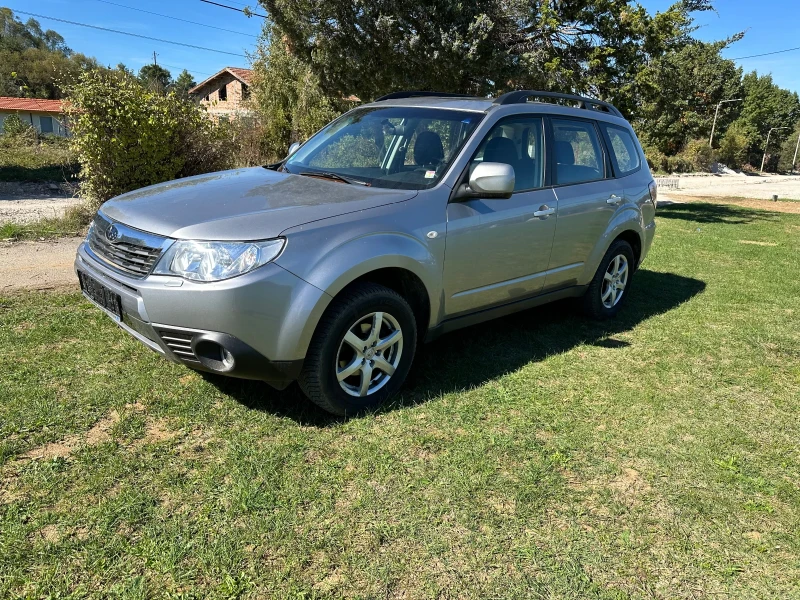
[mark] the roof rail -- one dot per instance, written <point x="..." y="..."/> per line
<point x="589" y="103"/>
<point x="416" y="94"/>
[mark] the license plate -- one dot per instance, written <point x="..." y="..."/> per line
<point x="100" y="294"/>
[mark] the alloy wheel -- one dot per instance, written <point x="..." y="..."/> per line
<point x="369" y="354"/>
<point x="614" y="281"/>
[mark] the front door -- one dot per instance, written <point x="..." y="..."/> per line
<point x="497" y="251"/>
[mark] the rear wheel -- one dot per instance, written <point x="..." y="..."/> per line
<point x="610" y="284"/>
<point x="361" y="352"/>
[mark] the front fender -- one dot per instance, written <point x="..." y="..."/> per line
<point x="330" y="262"/>
<point x="627" y="218"/>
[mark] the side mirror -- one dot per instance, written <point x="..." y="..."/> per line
<point x="489" y="180"/>
<point x="293" y="148"/>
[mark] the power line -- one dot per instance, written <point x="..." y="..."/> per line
<point x="177" y="18"/>
<point x="136" y="35"/>
<point x="766" y="53"/>
<point x="163" y="64"/>
<point x="241" y="10"/>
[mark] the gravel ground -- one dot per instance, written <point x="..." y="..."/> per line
<point x="741" y="186"/>
<point x="28" y="210"/>
<point x="38" y="265"/>
<point x="28" y="202"/>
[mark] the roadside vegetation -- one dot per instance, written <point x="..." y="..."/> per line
<point x="541" y="455"/>
<point x="28" y="156"/>
<point x="74" y="222"/>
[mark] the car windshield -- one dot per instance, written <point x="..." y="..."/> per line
<point x="394" y="147"/>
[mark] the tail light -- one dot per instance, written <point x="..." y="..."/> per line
<point x="653" y="192"/>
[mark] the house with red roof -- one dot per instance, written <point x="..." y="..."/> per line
<point x="46" y="116"/>
<point x="224" y="94"/>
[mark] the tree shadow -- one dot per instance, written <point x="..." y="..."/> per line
<point x="472" y="356"/>
<point x="43" y="174"/>
<point x="705" y="212"/>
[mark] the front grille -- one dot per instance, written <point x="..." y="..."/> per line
<point x="133" y="252"/>
<point x="180" y="343"/>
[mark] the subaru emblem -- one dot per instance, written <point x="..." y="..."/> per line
<point x="112" y="233"/>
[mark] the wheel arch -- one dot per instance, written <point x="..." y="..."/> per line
<point x="635" y="240"/>
<point x="627" y="225"/>
<point x="398" y="262"/>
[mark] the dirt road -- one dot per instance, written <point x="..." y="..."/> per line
<point x="38" y="265"/>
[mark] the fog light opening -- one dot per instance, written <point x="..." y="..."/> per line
<point x="214" y="356"/>
<point x="227" y="358"/>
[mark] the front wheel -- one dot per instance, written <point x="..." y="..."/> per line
<point x="361" y="351"/>
<point x="610" y="284"/>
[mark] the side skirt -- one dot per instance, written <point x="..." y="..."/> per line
<point x="495" y="312"/>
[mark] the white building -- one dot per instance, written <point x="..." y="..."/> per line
<point x="45" y="115"/>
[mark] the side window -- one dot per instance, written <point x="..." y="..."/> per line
<point x="623" y="149"/>
<point x="577" y="152"/>
<point x="517" y="142"/>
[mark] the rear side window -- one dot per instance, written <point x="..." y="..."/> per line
<point x="577" y="152"/>
<point x="623" y="149"/>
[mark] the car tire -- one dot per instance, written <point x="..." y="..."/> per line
<point x="346" y="380"/>
<point x="611" y="283"/>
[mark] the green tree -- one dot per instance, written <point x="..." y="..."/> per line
<point x="122" y="68"/>
<point x="765" y="106"/>
<point x="732" y="150"/>
<point x="480" y="47"/>
<point x="155" y="78"/>
<point x="33" y="62"/>
<point x="679" y="92"/>
<point x="183" y="83"/>
<point x="288" y="98"/>
<point x="788" y="150"/>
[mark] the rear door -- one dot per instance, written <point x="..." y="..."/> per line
<point x="588" y="196"/>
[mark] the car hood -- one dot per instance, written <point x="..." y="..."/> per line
<point x="243" y="204"/>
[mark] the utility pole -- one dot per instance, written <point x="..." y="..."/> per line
<point x="714" y="124"/>
<point x="767" y="145"/>
<point x="794" y="160"/>
<point x="155" y="61"/>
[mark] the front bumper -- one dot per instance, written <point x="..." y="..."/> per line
<point x="255" y="326"/>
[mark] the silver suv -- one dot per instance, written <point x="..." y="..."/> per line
<point x="402" y="220"/>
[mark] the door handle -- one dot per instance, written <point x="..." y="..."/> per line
<point x="614" y="199"/>
<point x="544" y="211"/>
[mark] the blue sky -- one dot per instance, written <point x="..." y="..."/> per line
<point x="110" y="48"/>
<point x="770" y="25"/>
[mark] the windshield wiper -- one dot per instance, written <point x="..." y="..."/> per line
<point x="334" y="176"/>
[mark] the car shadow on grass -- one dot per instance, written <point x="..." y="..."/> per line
<point x="473" y="356"/>
<point x="706" y="212"/>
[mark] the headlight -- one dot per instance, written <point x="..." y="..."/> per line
<point x="214" y="261"/>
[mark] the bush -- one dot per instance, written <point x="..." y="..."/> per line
<point x="698" y="154"/>
<point x="656" y="159"/>
<point x="15" y="127"/>
<point x="679" y="164"/>
<point x="126" y="137"/>
<point x="732" y="150"/>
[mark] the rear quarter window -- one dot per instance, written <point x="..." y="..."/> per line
<point x="623" y="149"/>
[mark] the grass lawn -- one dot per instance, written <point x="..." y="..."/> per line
<point x="541" y="456"/>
